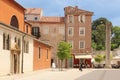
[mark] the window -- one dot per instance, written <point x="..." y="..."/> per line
<point x="70" y="18"/>
<point x="14" y="22"/>
<point x="70" y="31"/>
<point x="26" y="46"/>
<point x="47" y="54"/>
<point x="36" y="31"/>
<point x="71" y="43"/>
<point x="36" y="18"/>
<point x="4" y="38"/>
<point x="25" y="18"/>
<point x="39" y="53"/>
<point x="82" y="31"/>
<point x="15" y="39"/>
<point x="6" y="41"/>
<point x="46" y="30"/>
<point x="81" y="18"/>
<point x="26" y="28"/>
<point x="19" y="43"/>
<point x="54" y="30"/>
<point x="82" y="44"/>
<point x="62" y="30"/>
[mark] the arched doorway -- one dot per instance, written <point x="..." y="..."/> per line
<point x="14" y="22"/>
<point x="15" y="59"/>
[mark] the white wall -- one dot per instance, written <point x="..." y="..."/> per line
<point x="28" y="58"/>
<point x="5" y="62"/>
<point x="4" y="57"/>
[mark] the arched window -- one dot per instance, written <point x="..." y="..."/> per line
<point x="14" y="22"/>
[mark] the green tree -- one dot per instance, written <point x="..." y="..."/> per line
<point x="98" y="33"/>
<point x="64" y="52"/>
<point x="115" y="41"/>
<point x="99" y="58"/>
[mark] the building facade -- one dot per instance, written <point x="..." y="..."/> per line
<point x="17" y="43"/>
<point x="78" y="34"/>
<point x="52" y="29"/>
<point x="42" y="56"/>
<point x="74" y="27"/>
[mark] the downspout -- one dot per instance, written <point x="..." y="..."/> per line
<point x="22" y="53"/>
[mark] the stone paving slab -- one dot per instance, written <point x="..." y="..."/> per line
<point x="67" y="74"/>
<point x="101" y="74"/>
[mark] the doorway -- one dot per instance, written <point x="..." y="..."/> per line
<point x="15" y="63"/>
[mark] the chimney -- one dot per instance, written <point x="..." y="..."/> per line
<point x="76" y="7"/>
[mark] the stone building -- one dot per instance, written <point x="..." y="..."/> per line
<point x="78" y="33"/>
<point x="51" y="28"/>
<point x="74" y="27"/>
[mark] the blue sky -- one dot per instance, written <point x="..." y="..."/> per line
<point x="109" y="9"/>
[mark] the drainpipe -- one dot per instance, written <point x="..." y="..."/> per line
<point x="22" y="53"/>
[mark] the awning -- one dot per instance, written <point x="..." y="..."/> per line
<point x="116" y="57"/>
<point x="83" y="56"/>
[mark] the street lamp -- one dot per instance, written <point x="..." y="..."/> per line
<point x="108" y="44"/>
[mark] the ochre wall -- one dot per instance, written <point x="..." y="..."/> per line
<point x="42" y="62"/>
<point x="29" y="28"/>
<point x="8" y="8"/>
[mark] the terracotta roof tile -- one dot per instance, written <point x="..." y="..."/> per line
<point x="33" y="11"/>
<point x="52" y="19"/>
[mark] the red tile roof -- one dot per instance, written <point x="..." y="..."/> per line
<point x="33" y="11"/>
<point x="51" y="19"/>
<point x="76" y="9"/>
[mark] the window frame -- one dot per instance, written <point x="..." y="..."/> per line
<point x="72" y="43"/>
<point x="47" y="54"/>
<point x="70" y="19"/>
<point x="26" y="28"/>
<point x="62" y="30"/>
<point x="39" y="52"/>
<point x="35" y="18"/>
<point x="4" y="41"/>
<point x="83" y="31"/>
<point x="83" y="45"/>
<point x="81" y="18"/>
<point x="46" y="30"/>
<point x="70" y="31"/>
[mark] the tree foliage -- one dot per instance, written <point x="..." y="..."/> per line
<point x="98" y="33"/>
<point x="64" y="51"/>
<point x="115" y="38"/>
<point x="99" y="58"/>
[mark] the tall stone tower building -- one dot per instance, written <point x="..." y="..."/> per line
<point x="78" y="33"/>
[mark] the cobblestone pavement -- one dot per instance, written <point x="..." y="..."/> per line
<point x="67" y="74"/>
